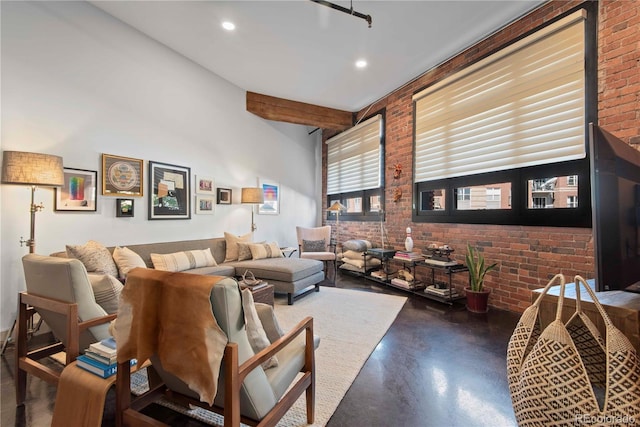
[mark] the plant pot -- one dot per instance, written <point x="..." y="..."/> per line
<point x="477" y="302"/>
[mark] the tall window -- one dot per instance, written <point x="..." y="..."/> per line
<point x="354" y="169"/>
<point x="513" y="114"/>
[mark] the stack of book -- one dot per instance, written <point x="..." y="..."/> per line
<point x="379" y="274"/>
<point x="401" y="283"/>
<point x="100" y="358"/>
<point x="408" y="256"/>
<point x="441" y="292"/>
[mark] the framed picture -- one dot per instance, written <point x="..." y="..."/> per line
<point x="169" y="191"/>
<point x="122" y="176"/>
<point x="204" y="205"/>
<point x="124" y="208"/>
<point x="224" y="196"/>
<point x="271" y="205"/>
<point x="78" y="192"/>
<point x="204" y="185"/>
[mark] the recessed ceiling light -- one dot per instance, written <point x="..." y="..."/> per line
<point x="229" y="26"/>
<point x="361" y="63"/>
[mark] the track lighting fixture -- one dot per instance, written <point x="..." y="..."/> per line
<point x="345" y="10"/>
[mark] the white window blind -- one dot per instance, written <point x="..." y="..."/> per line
<point x="522" y="106"/>
<point x="354" y="158"/>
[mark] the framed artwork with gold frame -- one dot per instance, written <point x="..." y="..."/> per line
<point x="122" y="176"/>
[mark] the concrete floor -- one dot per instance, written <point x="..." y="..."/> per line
<point x="436" y="366"/>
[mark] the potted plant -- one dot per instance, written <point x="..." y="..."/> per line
<point x="477" y="296"/>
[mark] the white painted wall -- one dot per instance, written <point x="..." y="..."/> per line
<point x="78" y="83"/>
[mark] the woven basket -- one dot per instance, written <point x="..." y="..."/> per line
<point x="567" y="374"/>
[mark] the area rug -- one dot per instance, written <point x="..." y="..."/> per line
<point x="350" y="324"/>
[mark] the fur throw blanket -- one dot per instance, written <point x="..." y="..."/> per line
<point x="169" y="314"/>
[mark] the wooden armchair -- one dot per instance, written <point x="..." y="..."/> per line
<point x="246" y="392"/>
<point x="59" y="290"/>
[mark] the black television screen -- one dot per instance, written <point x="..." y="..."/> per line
<point x="615" y="203"/>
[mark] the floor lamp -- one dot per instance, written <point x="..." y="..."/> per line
<point x="253" y="195"/>
<point x="34" y="170"/>
<point x="337" y="207"/>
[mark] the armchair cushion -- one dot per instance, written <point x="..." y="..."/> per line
<point x="95" y="257"/>
<point x="106" y="291"/>
<point x="255" y="332"/>
<point x="314" y="245"/>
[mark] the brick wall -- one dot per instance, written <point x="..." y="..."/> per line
<point x="528" y="256"/>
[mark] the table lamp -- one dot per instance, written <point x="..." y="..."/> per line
<point x="253" y="195"/>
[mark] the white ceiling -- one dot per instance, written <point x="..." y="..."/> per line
<point x="303" y="51"/>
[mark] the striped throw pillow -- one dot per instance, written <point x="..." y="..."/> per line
<point x="181" y="261"/>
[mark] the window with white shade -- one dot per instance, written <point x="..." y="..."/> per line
<point x="522" y="109"/>
<point x="355" y="169"/>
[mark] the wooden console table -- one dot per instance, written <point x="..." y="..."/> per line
<point x="622" y="307"/>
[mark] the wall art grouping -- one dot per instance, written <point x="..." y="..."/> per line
<point x="170" y="191"/>
<point x="78" y="192"/>
<point x="122" y="176"/>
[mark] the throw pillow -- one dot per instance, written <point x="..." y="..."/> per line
<point x="244" y="251"/>
<point x="232" y="241"/>
<point x="265" y="250"/>
<point x="95" y="257"/>
<point x="314" y="246"/>
<point x="126" y="260"/>
<point x="106" y="291"/>
<point x="180" y="261"/>
<point x="255" y="332"/>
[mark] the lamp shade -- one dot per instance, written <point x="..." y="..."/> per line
<point x="336" y="207"/>
<point x="23" y="168"/>
<point x="252" y="195"/>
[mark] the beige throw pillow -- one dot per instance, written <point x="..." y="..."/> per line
<point x="180" y="261"/>
<point x="126" y="260"/>
<point x="95" y="257"/>
<point x="255" y="332"/>
<point x="106" y="291"/>
<point x="266" y="250"/>
<point x="232" y="245"/>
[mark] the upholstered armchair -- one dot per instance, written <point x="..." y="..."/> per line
<point x="241" y="388"/>
<point x="315" y="243"/>
<point x="60" y="291"/>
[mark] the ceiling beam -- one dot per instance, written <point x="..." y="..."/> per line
<point x="284" y="110"/>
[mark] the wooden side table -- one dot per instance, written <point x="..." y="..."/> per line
<point x="264" y="294"/>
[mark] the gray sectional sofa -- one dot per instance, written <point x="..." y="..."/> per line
<point x="293" y="276"/>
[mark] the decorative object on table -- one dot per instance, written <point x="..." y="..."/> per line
<point x="204" y="205"/>
<point x="337" y="208"/>
<point x="169" y="191"/>
<point x="440" y="255"/>
<point x="124" y="208"/>
<point x="568" y="373"/>
<point x="477" y="296"/>
<point x="35" y="170"/>
<point x="122" y="176"/>
<point x="270" y="204"/>
<point x="408" y="242"/>
<point x="78" y="192"/>
<point x="205" y="185"/>
<point x="253" y="196"/>
<point x="224" y="196"/>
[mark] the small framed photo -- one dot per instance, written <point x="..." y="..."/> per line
<point x="204" y="185"/>
<point x="78" y="192"/>
<point x="271" y="205"/>
<point x="224" y="196"/>
<point x="124" y="208"/>
<point x="204" y="205"/>
<point x="121" y="176"/>
<point x="169" y="191"/>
